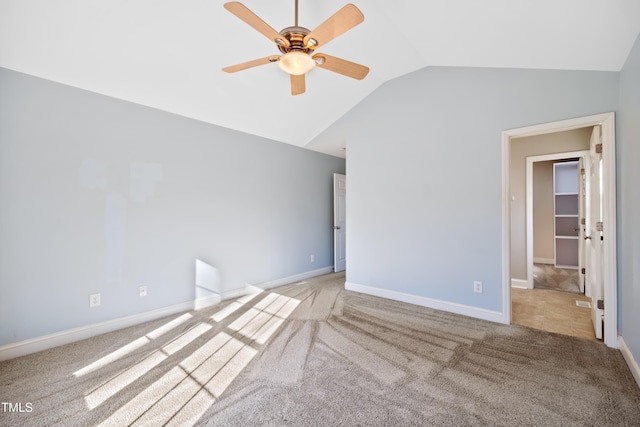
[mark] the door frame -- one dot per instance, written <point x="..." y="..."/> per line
<point x="607" y="121"/>
<point x="529" y="203"/>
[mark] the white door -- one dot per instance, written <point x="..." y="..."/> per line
<point x="585" y="240"/>
<point x="582" y="242"/>
<point x="594" y="234"/>
<point x="339" y="221"/>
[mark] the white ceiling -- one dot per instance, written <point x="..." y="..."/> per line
<point x="168" y="54"/>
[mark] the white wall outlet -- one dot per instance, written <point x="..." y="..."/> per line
<point x="313" y="258"/>
<point x="477" y="286"/>
<point x="94" y="300"/>
<point x="143" y="291"/>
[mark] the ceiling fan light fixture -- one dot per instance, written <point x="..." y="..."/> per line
<point x="298" y="44"/>
<point x="296" y="63"/>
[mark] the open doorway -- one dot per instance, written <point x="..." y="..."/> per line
<point x="515" y="212"/>
<point x="555" y="204"/>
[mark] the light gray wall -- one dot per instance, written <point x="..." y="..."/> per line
<point x="521" y="148"/>
<point x="424" y="165"/>
<point x="100" y="195"/>
<point x="628" y="154"/>
<point x="543" y="218"/>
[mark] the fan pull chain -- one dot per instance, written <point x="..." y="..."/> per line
<point x="296" y="8"/>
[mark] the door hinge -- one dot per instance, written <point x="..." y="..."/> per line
<point x="582" y="172"/>
<point x="599" y="226"/>
<point x="583" y="221"/>
<point x="600" y="304"/>
<point x="583" y="270"/>
<point x="599" y="148"/>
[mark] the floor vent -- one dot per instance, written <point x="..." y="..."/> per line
<point x="585" y="304"/>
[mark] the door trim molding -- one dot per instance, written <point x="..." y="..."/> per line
<point x="607" y="121"/>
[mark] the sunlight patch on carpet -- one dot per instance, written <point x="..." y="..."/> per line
<point x="184" y="393"/>
<point x="114" y="385"/>
<point x="132" y="346"/>
<point x="237" y="304"/>
<point x="262" y="320"/>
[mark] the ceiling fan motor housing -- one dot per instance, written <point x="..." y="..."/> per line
<point x="295" y="35"/>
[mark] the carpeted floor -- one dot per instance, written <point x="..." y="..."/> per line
<point x="313" y="354"/>
<point x="546" y="276"/>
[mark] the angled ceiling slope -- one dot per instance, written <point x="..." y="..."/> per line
<point x="169" y="55"/>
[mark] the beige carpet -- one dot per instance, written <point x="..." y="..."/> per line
<point x="312" y="354"/>
<point x="546" y="276"/>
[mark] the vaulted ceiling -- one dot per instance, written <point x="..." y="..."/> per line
<point x="168" y="54"/>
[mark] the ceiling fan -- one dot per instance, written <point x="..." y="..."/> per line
<point x="298" y="45"/>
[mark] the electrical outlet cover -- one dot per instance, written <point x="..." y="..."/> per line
<point x="94" y="300"/>
<point x="477" y="286"/>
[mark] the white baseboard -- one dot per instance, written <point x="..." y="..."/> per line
<point x="46" y="342"/>
<point x="519" y="283"/>
<point x="208" y="301"/>
<point x="544" y="261"/>
<point x="247" y="289"/>
<point x="466" y="310"/>
<point x="631" y="361"/>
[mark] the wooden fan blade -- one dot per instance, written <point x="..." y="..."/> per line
<point x="341" y="21"/>
<point x="297" y="84"/>
<point x="341" y="66"/>
<point x="242" y="12"/>
<point x="250" y="64"/>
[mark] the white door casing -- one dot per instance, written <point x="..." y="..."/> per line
<point x="339" y="221"/>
